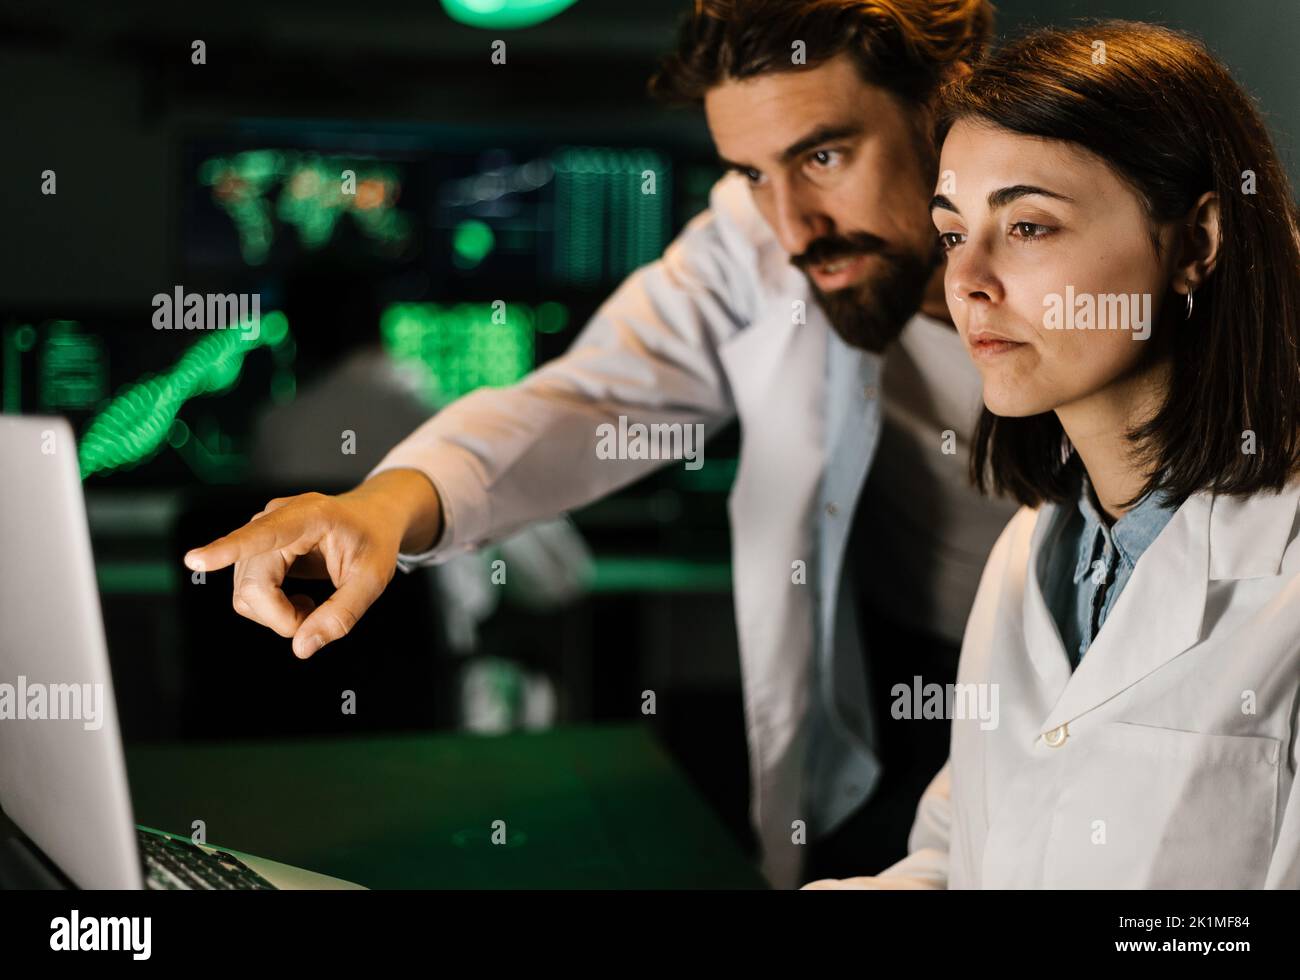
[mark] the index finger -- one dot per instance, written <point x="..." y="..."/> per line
<point x="280" y="529"/>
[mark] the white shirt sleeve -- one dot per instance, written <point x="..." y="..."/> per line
<point x="503" y="458"/>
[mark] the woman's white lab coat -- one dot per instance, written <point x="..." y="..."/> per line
<point x="1168" y="758"/>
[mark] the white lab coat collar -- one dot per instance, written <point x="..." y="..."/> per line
<point x="1249" y="536"/>
<point x="1160" y="613"/>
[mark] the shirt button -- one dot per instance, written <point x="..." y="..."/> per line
<point x="1057" y="736"/>
<point x="832" y="510"/>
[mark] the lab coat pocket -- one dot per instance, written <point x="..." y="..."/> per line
<point x="1147" y="807"/>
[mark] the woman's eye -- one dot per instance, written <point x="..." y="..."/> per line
<point x="1029" y="230"/>
<point x="950" y="239"/>
<point x="753" y="176"/>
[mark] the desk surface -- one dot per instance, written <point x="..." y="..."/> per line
<point x="598" y="807"/>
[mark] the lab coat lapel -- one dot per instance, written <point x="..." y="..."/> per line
<point x="775" y="370"/>
<point x="1046" y="651"/>
<point x="1157" y="616"/>
<point x="772" y="499"/>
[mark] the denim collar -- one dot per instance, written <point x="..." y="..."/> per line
<point x="1131" y="535"/>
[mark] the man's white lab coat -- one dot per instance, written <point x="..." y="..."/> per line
<point x="722" y="326"/>
<point x="1168" y="758"/>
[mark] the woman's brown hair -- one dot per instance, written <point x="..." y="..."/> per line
<point x="1169" y="119"/>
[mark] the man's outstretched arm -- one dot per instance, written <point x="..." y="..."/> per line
<point x="499" y="459"/>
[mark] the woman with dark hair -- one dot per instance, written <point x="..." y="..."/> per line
<point x="1124" y="269"/>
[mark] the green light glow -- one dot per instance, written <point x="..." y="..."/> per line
<point x="471" y="242"/>
<point x="658" y="575"/>
<point x="552" y="317"/>
<point x="607" y="223"/>
<point x="73" y="368"/>
<point x="275" y="328"/>
<point x="504" y="13"/>
<point x="142" y="418"/>
<point x="312" y="199"/>
<point x="461" y="348"/>
<point x="312" y="203"/>
<point x="239" y="186"/>
<point x="136" y="577"/>
<point x="13" y="377"/>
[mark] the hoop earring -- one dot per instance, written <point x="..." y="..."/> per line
<point x="1190" y="292"/>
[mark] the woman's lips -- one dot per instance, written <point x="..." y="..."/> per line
<point x="985" y="345"/>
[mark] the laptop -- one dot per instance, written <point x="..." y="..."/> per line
<point x="63" y="779"/>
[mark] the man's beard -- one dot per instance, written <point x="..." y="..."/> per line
<point x="871" y="313"/>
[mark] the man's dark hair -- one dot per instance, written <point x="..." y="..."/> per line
<point x="907" y="47"/>
<point x="1171" y="122"/>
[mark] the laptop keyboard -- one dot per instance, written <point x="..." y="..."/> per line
<point x="173" y="863"/>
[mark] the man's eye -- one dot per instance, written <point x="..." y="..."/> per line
<point x="752" y="175"/>
<point x="950" y="239"/>
<point x="825" y="158"/>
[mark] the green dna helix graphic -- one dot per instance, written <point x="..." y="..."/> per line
<point x="137" y="422"/>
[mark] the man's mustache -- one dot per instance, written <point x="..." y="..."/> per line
<point x="832" y="248"/>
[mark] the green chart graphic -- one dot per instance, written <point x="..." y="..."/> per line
<point x="468" y="345"/>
